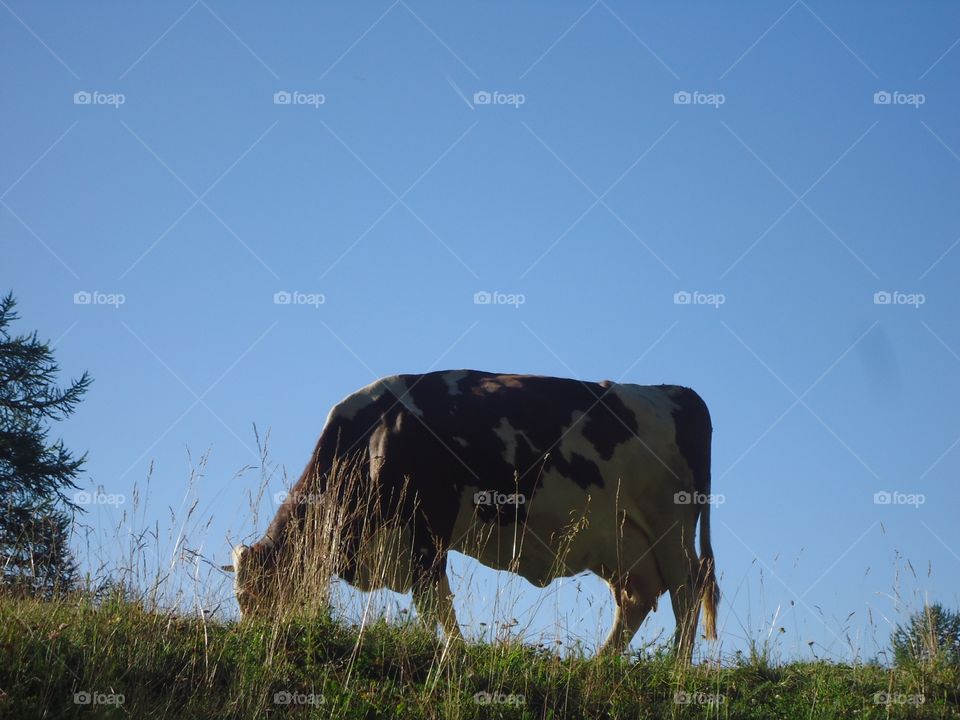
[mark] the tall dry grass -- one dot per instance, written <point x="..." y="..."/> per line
<point x="154" y="633"/>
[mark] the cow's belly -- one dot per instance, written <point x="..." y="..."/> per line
<point x="385" y="560"/>
<point x="565" y="532"/>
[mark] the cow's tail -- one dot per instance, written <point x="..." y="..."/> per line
<point x="694" y="433"/>
<point x="709" y="588"/>
<point x="694" y="436"/>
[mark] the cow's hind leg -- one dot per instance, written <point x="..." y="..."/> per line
<point x="448" y="616"/>
<point x="685" y="598"/>
<point x="635" y="595"/>
<point x="433" y="598"/>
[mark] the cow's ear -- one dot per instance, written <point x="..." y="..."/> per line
<point x="228" y="568"/>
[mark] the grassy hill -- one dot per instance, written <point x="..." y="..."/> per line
<point x="71" y="658"/>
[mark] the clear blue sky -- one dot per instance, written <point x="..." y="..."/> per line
<point x="786" y="185"/>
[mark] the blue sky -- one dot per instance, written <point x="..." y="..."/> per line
<point x="814" y="165"/>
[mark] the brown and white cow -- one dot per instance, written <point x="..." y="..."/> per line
<point x="615" y="474"/>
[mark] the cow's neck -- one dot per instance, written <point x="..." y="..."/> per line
<point x="294" y="507"/>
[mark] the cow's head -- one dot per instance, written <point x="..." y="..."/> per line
<point x="255" y="578"/>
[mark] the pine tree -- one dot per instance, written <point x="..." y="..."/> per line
<point x="36" y="474"/>
<point x="931" y="635"/>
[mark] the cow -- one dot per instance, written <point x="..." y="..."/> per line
<point x="555" y="476"/>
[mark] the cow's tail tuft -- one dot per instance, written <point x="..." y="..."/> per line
<point x="694" y="437"/>
<point x="710" y="589"/>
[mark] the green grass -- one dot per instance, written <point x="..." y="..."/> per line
<point x="172" y="666"/>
